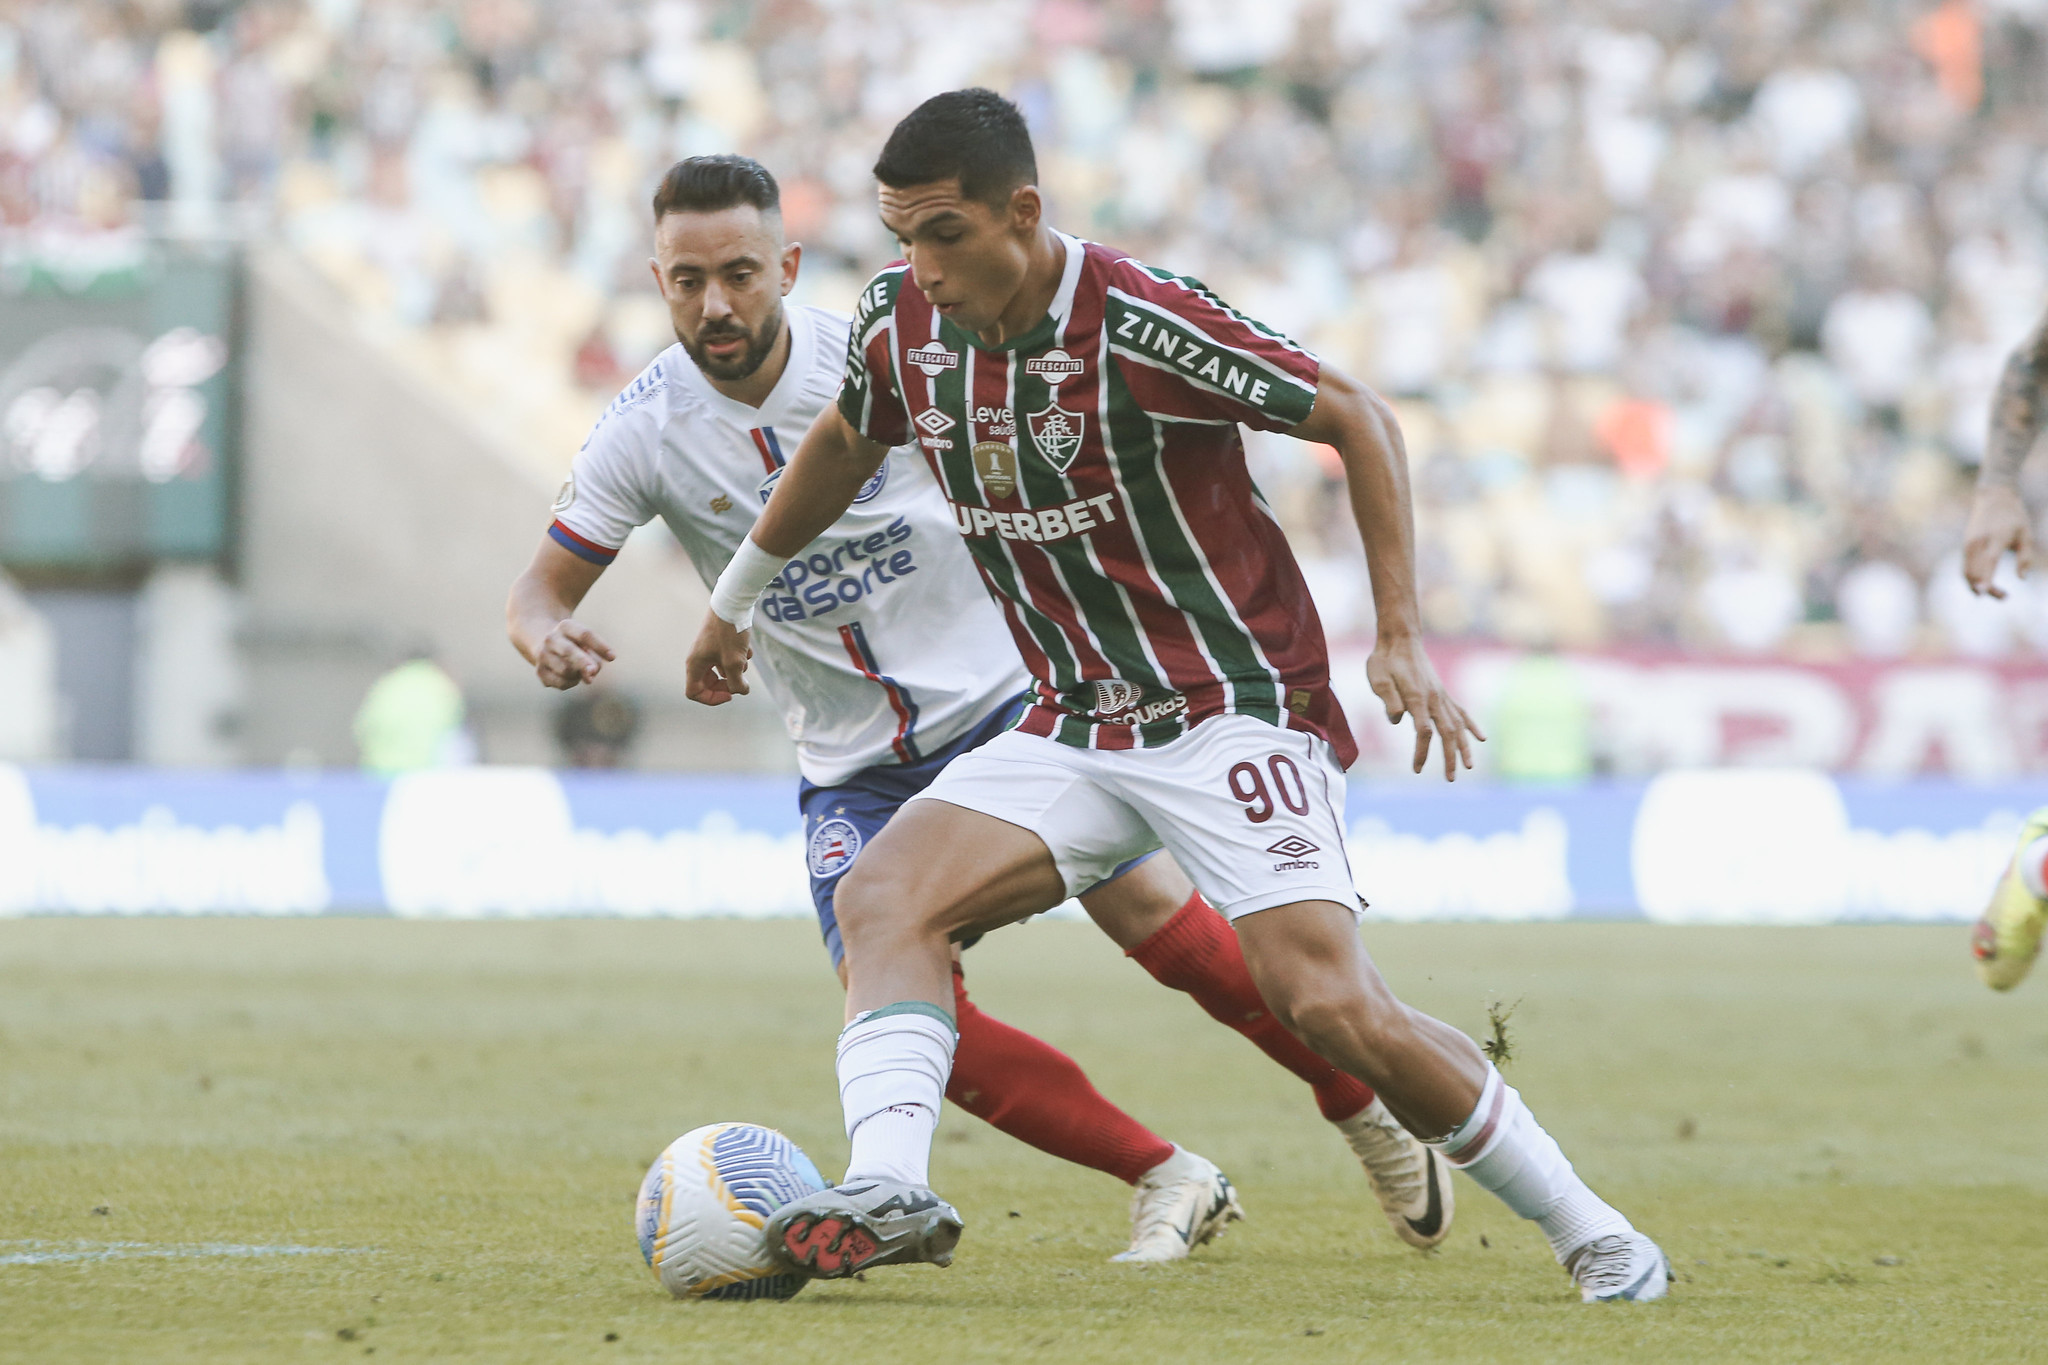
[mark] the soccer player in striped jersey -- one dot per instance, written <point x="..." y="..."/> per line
<point x="1081" y="410"/>
<point x="888" y="659"/>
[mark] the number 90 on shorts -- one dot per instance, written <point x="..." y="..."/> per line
<point x="1251" y="811"/>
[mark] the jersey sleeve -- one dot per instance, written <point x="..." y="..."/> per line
<point x="869" y="398"/>
<point x="604" y="499"/>
<point x="1190" y="357"/>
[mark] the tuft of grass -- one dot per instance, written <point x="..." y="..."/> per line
<point x="477" y="1209"/>
<point x="1499" y="1045"/>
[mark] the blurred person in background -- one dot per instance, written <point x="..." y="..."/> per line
<point x="1541" y="726"/>
<point x="596" y="727"/>
<point x="461" y="173"/>
<point x="412" y="719"/>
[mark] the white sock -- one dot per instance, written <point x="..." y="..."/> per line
<point x="1504" y="1149"/>
<point x="894" y="1144"/>
<point x="2031" y="859"/>
<point x="893" y="1066"/>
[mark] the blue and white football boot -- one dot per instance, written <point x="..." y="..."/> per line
<point x="1179" y="1204"/>
<point x="837" y="1233"/>
<point x="1620" y="1267"/>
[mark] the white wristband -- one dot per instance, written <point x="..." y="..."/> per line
<point x="742" y="583"/>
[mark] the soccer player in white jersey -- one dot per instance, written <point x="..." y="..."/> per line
<point x="888" y="660"/>
<point x="1081" y="411"/>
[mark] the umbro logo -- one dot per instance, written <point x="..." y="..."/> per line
<point x="1293" y="846"/>
<point x="933" y="422"/>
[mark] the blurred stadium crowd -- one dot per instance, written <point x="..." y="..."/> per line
<point x="1692" y="309"/>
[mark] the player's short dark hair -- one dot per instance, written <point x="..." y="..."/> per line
<point x="709" y="184"/>
<point x="974" y="134"/>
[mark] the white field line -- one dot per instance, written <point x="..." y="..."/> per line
<point x="30" y="1252"/>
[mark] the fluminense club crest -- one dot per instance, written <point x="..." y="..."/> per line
<point x="1058" y="434"/>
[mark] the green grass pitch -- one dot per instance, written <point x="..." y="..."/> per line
<point x="1836" y="1133"/>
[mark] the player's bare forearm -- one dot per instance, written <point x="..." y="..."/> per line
<point x="540" y="618"/>
<point x="1999" y="522"/>
<point x="1367" y="437"/>
<point x="2018" y="411"/>
<point x="827" y="471"/>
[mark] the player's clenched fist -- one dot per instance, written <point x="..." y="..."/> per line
<point x="717" y="670"/>
<point x="572" y="653"/>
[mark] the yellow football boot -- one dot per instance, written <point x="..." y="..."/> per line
<point x="2008" y="938"/>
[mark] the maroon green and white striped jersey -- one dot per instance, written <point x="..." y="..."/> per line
<point x="1098" y="477"/>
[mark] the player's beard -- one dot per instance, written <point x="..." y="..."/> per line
<point x="759" y="344"/>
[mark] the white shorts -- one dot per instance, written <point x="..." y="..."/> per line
<point x="1253" y="813"/>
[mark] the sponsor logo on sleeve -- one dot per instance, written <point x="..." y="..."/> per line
<point x="565" y="499"/>
<point x="834" y="845"/>
<point x="933" y="358"/>
<point x="1058" y="434"/>
<point x="721" y="503"/>
<point x="996" y="463"/>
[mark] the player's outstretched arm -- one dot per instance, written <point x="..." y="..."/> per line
<point x="1998" y="515"/>
<point x="540" y="618"/>
<point x="1355" y="420"/>
<point x="820" y="483"/>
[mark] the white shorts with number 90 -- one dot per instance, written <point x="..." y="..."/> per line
<point x="1252" y="812"/>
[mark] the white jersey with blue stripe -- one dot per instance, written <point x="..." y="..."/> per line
<point x="879" y="642"/>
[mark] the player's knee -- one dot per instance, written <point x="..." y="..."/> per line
<point x="872" y="901"/>
<point x="1319" y="1009"/>
<point x="861" y="901"/>
<point x="1334" y="1014"/>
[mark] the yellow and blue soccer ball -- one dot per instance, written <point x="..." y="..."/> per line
<point x="703" y="1206"/>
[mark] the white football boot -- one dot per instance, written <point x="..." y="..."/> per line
<point x="1412" y="1179"/>
<point x="1179" y="1204"/>
<point x="1621" y="1266"/>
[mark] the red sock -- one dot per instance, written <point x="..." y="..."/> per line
<point x="1038" y="1094"/>
<point x="1196" y="951"/>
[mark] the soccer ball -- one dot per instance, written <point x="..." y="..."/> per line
<point x="703" y="1206"/>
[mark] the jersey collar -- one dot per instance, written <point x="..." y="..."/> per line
<point x="1052" y="325"/>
